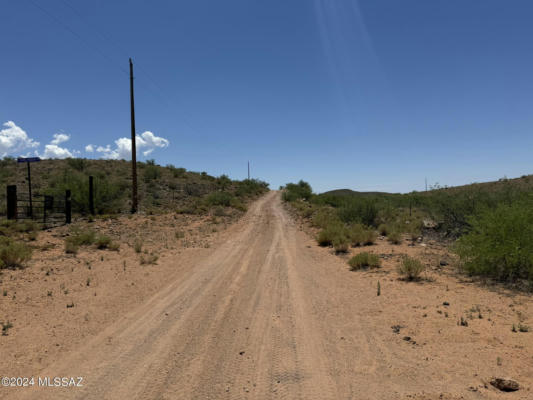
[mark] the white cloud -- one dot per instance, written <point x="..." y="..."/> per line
<point x="60" y="138"/>
<point x="147" y="142"/>
<point x="89" y="148"/>
<point x="54" y="151"/>
<point x="14" y="139"/>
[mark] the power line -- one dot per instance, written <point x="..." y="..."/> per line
<point x="80" y="38"/>
<point x="105" y="37"/>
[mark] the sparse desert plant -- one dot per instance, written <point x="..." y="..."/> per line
<point x="341" y="244"/>
<point x="6" y="326"/>
<point x="410" y="268"/>
<point x="150" y="258"/>
<point x="138" y="245"/>
<point x="395" y="237"/>
<point x="179" y="234"/>
<point x="369" y="237"/>
<point x="332" y="232"/>
<point x="105" y="242"/>
<point x="32" y="236"/>
<point x="219" y="211"/>
<point x="102" y="242"/>
<point x="13" y="254"/>
<point x="82" y="237"/>
<point x="71" y="247"/>
<point x="324" y="217"/>
<point x="383" y="229"/>
<point x="379" y="289"/>
<point x="357" y="234"/>
<point x="364" y="260"/>
<point x="520" y="328"/>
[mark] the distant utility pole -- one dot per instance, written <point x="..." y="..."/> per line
<point x="248" y="170"/>
<point x="133" y="147"/>
<point x="426" y="184"/>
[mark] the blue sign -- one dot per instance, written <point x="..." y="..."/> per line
<point x="30" y="159"/>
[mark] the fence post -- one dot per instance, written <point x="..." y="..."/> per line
<point x="91" y="195"/>
<point x="68" y="207"/>
<point x="11" y="202"/>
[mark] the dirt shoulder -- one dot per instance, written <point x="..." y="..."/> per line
<point x="417" y="325"/>
<point x="60" y="300"/>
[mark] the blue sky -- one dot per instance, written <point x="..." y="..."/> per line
<point x="367" y="95"/>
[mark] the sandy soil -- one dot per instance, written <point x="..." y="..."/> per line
<point x="265" y="313"/>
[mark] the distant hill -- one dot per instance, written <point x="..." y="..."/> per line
<point x="524" y="183"/>
<point x="349" y="192"/>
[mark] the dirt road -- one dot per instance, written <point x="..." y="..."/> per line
<point x="264" y="316"/>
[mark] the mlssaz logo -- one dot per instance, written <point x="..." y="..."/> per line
<point x="48" y="381"/>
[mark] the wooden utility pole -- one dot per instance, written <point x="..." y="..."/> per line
<point x="133" y="147"/>
<point x="248" y="170"/>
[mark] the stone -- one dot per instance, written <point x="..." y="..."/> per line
<point x="505" y="384"/>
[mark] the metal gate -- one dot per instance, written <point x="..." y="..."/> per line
<point x="39" y="208"/>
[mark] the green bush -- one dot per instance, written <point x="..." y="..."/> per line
<point x="364" y="260"/>
<point x="219" y="199"/>
<point x="105" y="242"/>
<point x="395" y="237"/>
<point x="324" y="217"/>
<point x="383" y="229"/>
<point x="77" y="238"/>
<point x="296" y="191"/>
<point x="500" y="243"/>
<point x="410" y="268"/>
<point x="370" y="237"/>
<point x="13" y="254"/>
<point x="332" y="232"/>
<point x="340" y="244"/>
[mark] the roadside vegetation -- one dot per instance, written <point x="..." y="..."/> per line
<point x="489" y="226"/>
<point x="161" y="188"/>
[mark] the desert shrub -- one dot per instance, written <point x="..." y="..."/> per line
<point x="178" y="235"/>
<point x="176" y="172"/>
<point x="500" y="243"/>
<point x="324" y="217"/>
<point x="219" y="211"/>
<point x="332" y="232"/>
<point x="357" y="234"/>
<point x="224" y="182"/>
<point x="370" y="237"/>
<point x="13" y="254"/>
<point x="138" y="245"/>
<point x="79" y="164"/>
<point x="383" y="229"/>
<point x="237" y="204"/>
<point x="358" y="210"/>
<point x="149" y="259"/>
<point x="364" y="260"/>
<point x="395" y="237"/>
<point x="152" y="172"/>
<point x="71" y="247"/>
<point x="296" y="191"/>
<point x="82" y="237"/>
<point x="104" y="242"/>
<point x="250" y="187"/>
<point x="77" y="238"/>
<point x="340" y="244"/>
<point x="26" y="226"/>
<point x="219" y="199"/>
<point x="410" y="268"/>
